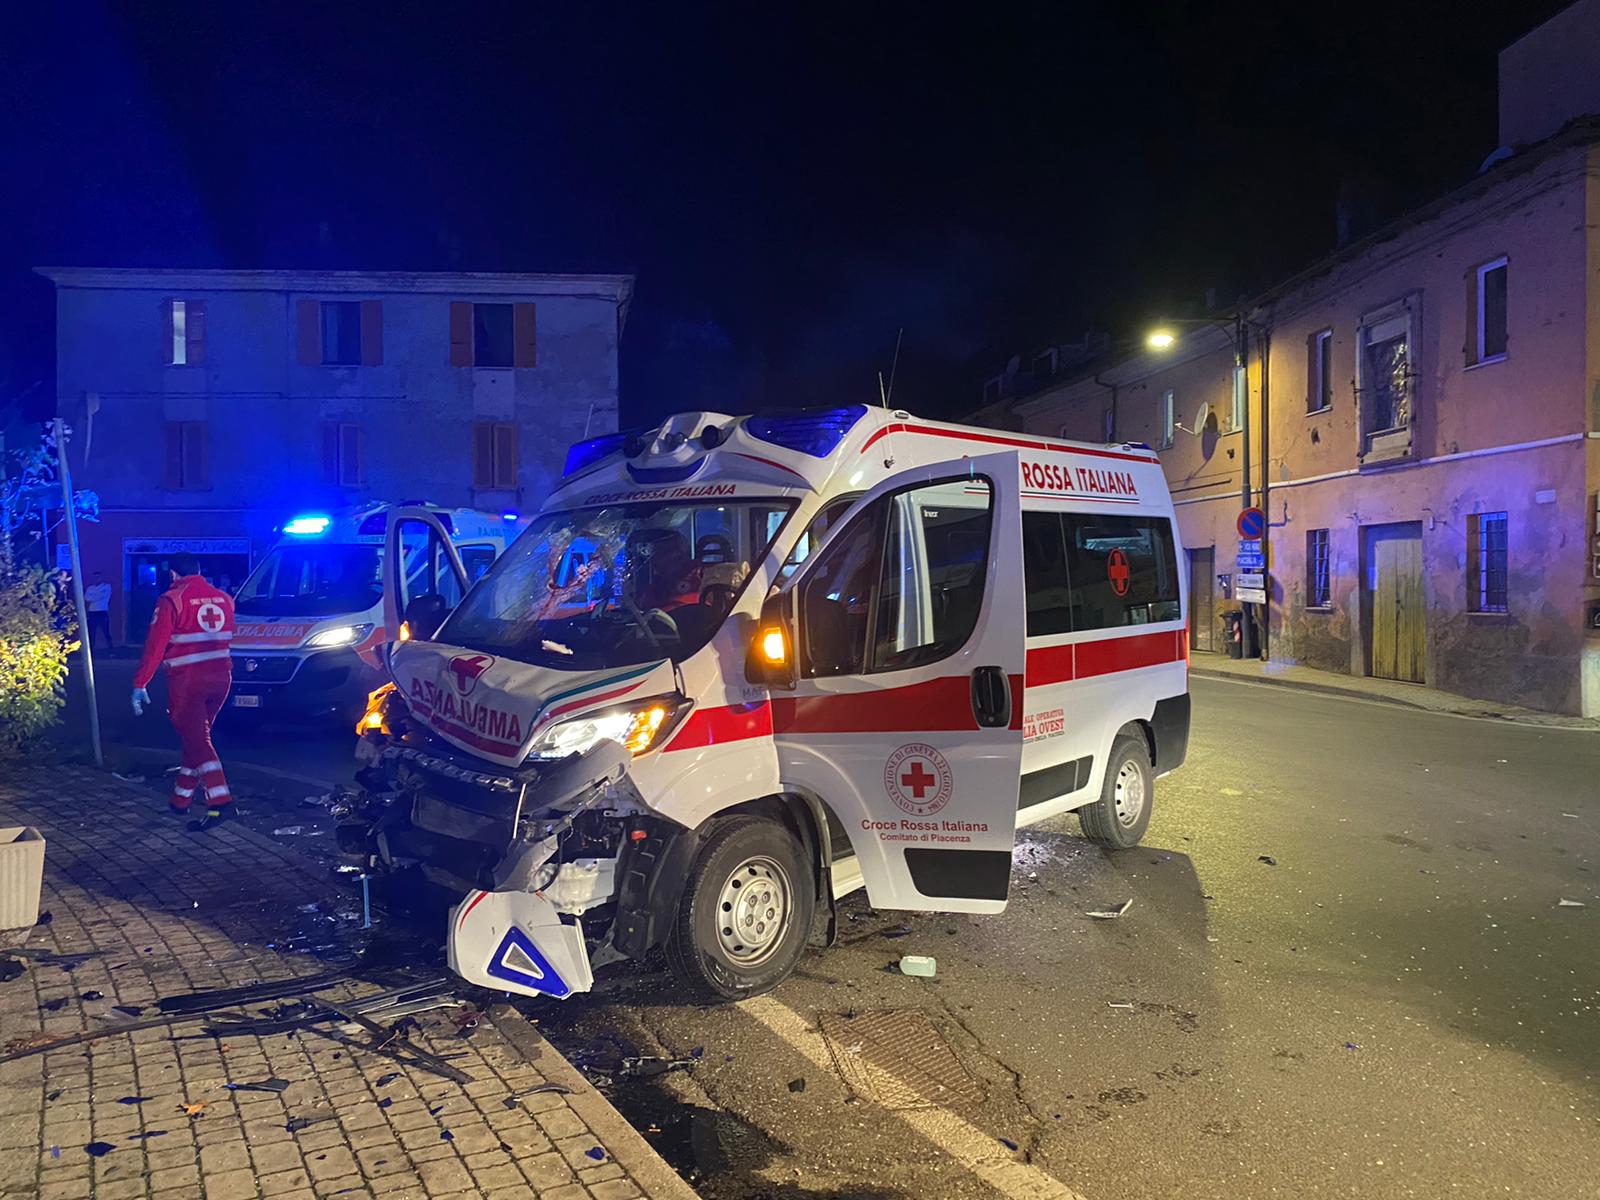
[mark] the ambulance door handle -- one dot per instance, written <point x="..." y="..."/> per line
<point x="991" y="697"/>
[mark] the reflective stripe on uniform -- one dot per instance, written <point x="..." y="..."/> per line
<point x="184" y="792"/>
<point x="188" y="770"/>
<point x="213" y="792"/>
<point x="213" y="765"/>
<point x="222" y="636"/>
<point x="185" y="659"/>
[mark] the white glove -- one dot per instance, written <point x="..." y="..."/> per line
<point x="140" y="699"/>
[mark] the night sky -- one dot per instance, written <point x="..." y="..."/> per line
<point x="790" y="190"/>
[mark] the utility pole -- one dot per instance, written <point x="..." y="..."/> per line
<point x="1241" y="359"/>
<point x="84" y="646"/>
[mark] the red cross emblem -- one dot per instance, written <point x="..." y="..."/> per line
<point x="918" y="779"/>
<point x="1118" y="571"/>
<point x="465" y="669"/>
<point x="210" y="617"/>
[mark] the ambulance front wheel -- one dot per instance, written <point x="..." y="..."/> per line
<point x="1118" y="819"/>
<point x="746" y="911"/>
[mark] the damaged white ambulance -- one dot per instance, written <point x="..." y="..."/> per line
<point x="737" y="668"/>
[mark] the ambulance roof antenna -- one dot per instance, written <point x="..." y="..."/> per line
<point x="893" y="366"/>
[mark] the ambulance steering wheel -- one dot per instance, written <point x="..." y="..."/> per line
<point x="666" y="618"/>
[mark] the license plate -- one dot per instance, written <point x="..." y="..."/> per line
<point x="247" y="701"/>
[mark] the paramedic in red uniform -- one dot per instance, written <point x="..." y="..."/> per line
<point x="190" y="635"/>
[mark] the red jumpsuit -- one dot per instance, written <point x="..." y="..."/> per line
<point x="190" y="634"/>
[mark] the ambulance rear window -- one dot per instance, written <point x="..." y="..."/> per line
<point x="1088" y="572"/>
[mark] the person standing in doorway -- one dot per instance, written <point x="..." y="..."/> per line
<point x="190" y="635"/>
<point x="97" y="598"/>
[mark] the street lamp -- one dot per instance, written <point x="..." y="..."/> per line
<point x="1163" y="338"/>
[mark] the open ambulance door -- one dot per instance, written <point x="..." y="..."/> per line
<point x="423" y="579"/>
<point x="905" y="718"/>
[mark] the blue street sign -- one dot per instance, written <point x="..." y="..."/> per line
<point x="1251" y="556"/>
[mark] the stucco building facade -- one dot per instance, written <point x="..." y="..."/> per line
<point x="207" y="406"/>
<point x="1424" y="430"/>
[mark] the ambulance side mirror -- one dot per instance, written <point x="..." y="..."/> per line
<point x="425" y="614"/>
<point x="771" y="660"/>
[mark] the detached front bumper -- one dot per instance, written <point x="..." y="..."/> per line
<point x="518" y="942"/>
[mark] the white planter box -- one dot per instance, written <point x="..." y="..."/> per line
<point x="21" y="875"/>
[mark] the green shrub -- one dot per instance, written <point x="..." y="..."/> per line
<point x="37" y="628"/>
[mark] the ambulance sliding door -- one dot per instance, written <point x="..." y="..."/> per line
<point x="906" y="718"/>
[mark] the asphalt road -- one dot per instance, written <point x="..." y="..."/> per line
<point x="1394" y="1006"/>
<point x="1398" y="1007"/>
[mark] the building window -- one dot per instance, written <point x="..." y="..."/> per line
<point x="342" y="453"/>
<point x="188" y="466"/>
<point x="491" y="335"/>
<point x="1319" y="371"/>
<point x="1241" y="397"/>
<point x="1386" y="379"/>
<point x="1166" y="418"/>
<point x="1487" y="335"/>
<point x="1319" y="588"/>
<point x="494" y="335"/>
<point x="183" y="332"/>
<point x="341" y="333"/>
<point x="1486" y="562"/>
<point x="494" y="455"/>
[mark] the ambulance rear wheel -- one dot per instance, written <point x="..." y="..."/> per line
<point x="746" y="911"/>
<point x="1119" y="818"/>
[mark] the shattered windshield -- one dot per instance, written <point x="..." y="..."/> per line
<point x="616" y="585"/>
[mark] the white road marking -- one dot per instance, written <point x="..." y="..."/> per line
<point x="974" y="1149"/>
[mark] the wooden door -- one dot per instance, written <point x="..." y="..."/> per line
<point x="1395" y="602"/>
<point x="1202" y="606"/>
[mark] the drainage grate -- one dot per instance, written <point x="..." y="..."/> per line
<point x="898" y="1060"/>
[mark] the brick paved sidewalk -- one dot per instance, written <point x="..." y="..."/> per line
<point x="168" y="911"/>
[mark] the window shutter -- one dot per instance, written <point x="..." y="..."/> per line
<point x="350" y="455"/>
<point x="166" y="332"/>
<point x="460" y="333"/>
<point x="195" y="332"/>
<point x="483" y="455"/>
<point x="173" y="475"/>
<point x="372" y="333"/>
<point x="525" y="336"/>
<point x="308" y="320"/>
<point x="330" y="452"/>
<point x="505" y="456"/>
<point x="1313" y="375"/>
<point x="1469" y="345"/>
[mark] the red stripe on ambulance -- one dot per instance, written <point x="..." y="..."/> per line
<point x="1084" y="660"/>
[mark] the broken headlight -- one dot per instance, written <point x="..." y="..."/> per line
<point x="636" y="727"/>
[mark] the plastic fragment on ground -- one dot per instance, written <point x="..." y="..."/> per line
<point x="922" y="966"/>
<point x="1111" y="914"/>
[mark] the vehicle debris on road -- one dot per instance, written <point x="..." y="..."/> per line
<point x="923" y="966"/>
<point x="1110" y="914"/>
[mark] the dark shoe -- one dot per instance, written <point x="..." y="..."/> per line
<point x="213" y="818"/>
<point x="173" y="808"/>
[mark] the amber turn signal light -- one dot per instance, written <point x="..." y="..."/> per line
<point x="772" y="647"/>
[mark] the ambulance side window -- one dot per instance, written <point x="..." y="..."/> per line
<point x="814" y="535"/>
<point x="1123" y="570"/>
<point x="1044" y="572"/>
<point x="901" y="586"/>
<point x="477" y="560"/>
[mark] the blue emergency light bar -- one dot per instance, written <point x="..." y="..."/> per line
<point x="817" y="433"/>
<point x="307" y="525"/>
<point x="587" y="453"/>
